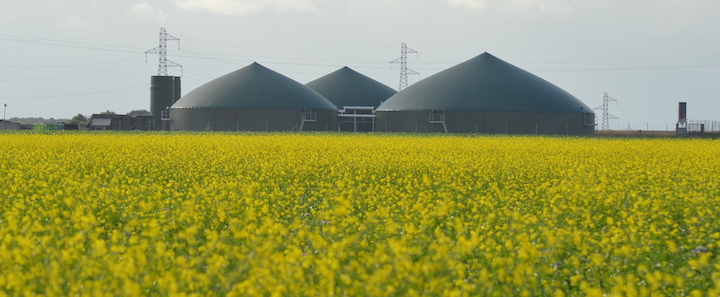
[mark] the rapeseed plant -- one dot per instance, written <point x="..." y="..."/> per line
<point x="371" y="215"/>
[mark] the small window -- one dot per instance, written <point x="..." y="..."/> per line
<point x="309" y="116"/>
<point x="437" y="118"/>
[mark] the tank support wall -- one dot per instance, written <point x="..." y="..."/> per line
<point x="485" y="122"/>
<point x="218" y="119"/>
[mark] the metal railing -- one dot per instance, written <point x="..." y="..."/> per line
<point x="703" y="126"/>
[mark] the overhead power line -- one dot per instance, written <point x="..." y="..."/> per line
<point x="68" y="66"/>
<point x="205" y="41"/>
<point x="629" y="68"/>
<point x="68" y="44"/>
<point x="625" y="60"/>
<point x="69" y="75"/>
<point x="214" y="56"/>
<point x="74" y="95"/>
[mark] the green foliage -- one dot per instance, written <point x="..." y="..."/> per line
<point x="33" y="121"/>
<point x="79" y="119"/>
<point x="139" y="112"/>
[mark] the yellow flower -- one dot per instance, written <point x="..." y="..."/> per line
<point x="254" y="214"/>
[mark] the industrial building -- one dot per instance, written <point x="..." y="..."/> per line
<point x="355" y="95"/>
<point x="253" y="98"/>
<point x="485" y="95"/>
<point x="164" y="92"/>
<point x="8" y="125"/>
<point x="121" y="122"/>
<point x="481" y="95"/>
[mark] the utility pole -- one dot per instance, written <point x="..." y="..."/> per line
<point x="404" y="71"/>
<point x="606" y="115"/>
<point x="163" y="62"/>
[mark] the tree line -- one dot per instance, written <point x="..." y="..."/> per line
<point x="79" y="119"/>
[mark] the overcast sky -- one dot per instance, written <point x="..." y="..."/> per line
<point x="61" y="58"/>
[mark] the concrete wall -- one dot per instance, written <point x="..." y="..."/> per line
<point x="487" y="122"/>
<point x="218" y="119"/>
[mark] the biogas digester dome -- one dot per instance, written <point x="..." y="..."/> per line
<point x="347" y="87"/>
<point x="253" y="98"/>
<point x="485" y="95"/>
<point x="355" y="95"/>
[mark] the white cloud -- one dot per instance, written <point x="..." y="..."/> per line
<point x="141" y="10"/>
<point x="74" y="23"/>
<point x="469" y="4"/>
<point x="161" y="16"/>
<point x="555" y="6"/>
<point x="145" y="11"/>
<point x="240" y="7"/>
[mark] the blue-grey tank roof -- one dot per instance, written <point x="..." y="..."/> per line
<point x="347" y="87"/>
<point x="254" y="87"/>
<point x="485" y="83"/>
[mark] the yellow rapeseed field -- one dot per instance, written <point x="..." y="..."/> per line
<point x="206" y="214"/>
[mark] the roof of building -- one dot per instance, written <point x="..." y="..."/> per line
<point x="100" y="121"/>
<point x="347" y="87"/>
<point x="485" y="83"/>
<point x="254" y="87"/>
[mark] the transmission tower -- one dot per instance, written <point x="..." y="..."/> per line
<point x="404" y="71"/>
<point x="606" y="115"/>
<point x="163" y="62"/>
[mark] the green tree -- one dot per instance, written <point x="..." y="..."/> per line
<point x="139" y="112"/>
<point x="79" y="119"/>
